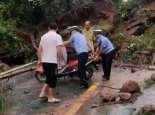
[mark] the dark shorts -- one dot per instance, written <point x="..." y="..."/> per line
<point x="50" y="71"/>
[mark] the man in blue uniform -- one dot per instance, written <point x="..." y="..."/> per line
<point x="80" y="44"/>
<point x="106" y="50"/>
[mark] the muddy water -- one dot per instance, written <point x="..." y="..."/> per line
<point x="148" y="97"/>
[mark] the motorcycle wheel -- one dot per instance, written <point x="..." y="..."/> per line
<point x="40" y="77"/>
<point x="89" y="73"/>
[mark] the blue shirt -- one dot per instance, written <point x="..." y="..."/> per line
<point x="79" y="42"/>
<point x="104" y="43"/>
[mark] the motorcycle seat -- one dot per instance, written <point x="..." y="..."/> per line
<point x="73" y="63"/>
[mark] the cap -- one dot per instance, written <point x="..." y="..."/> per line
<point x="97" y="31"/>
<point x="72" y="28"/>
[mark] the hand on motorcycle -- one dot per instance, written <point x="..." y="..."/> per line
<point x="95" y="56"/>
<point x="39" y="62"/>
<point x="62" y="63"/>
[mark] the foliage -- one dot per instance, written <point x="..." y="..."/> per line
<point x="142" y="111"/>
<point x="19" y="13"/>
<point x="126" y="7"/>
<point x="119" y="39"/>
<point x="22" y="12"/>
<point x="33" y="12"/>
<point x="10" y="41"/>
<point x="5" y="102"/>
<point x="131" y="49"/>
<point x="145" y="12"/>
<point x="148" y="83"/>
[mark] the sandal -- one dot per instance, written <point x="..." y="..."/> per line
<point x="42" y="95"/>
<point x="54" y="100"/>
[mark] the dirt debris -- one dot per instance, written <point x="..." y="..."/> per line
<point x="147" y="110"/>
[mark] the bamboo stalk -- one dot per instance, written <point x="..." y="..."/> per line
<point x="20" y="67"/>
<point x="18" y="70"/>
<point x="11" y="74"/>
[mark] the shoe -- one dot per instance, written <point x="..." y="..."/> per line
<point x="104" y="79"/>
<point x="83" y="86"/>
<point x="96" y="68"/>
<point x="54" y="100"/>
<point x="42" y="95"/>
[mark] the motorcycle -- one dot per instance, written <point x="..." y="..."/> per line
<point x="69" y="70"/>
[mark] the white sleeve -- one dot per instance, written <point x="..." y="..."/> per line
<point x="59" y="41"/>
<point x="40" y="41"/>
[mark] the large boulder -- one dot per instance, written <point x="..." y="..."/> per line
<point x="130" y="87"/>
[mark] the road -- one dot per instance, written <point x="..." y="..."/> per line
<point x="25" y="93"/>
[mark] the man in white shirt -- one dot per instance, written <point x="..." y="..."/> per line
<point x="50" y="49"/>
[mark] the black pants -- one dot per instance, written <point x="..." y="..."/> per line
<point x="50" y="71"/>
<point x="107" y="62"/>
<point x="94" y="65"/>
<point x="82" y="60"/>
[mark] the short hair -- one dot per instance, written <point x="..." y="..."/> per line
<point x="53" y="25"/>
<point x="88" y="22"/>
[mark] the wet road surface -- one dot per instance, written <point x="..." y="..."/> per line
<point x="25" y="95"/>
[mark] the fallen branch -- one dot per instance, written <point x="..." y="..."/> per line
<point x="18" y="70"/>
<point x="9" y="75"/>
<point x="109" y="87"/>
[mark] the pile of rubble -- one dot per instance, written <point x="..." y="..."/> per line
<point x="125" y="94"/>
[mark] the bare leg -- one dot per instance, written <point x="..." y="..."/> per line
<point x="51" y="98"/>
<point x="50" y="93"/>
<point x="43" y="90"/>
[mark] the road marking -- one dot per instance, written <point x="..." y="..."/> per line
<point x="83" y="98"/>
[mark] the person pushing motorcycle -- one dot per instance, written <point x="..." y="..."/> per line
<point x="79" y="42"/>
<point x="106" y="49"/>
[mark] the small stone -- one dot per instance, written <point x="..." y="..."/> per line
<point x="153" y="76"/>
<point x="125" y="96"/>
<point x="116" y="65"/>
<point x="151" y="67"/>
<point x="130" y="87"/>
<point x="117" y="99"/>
<point x="133" y="70"/>
<point x="26" y="91"/>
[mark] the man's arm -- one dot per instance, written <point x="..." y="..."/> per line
<point x="71" y="40"/>
<point x="66" y="43"/>
<point x="98" y="51"/>
<point x="60" y="55"/>
<point x="40" y="49"/>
